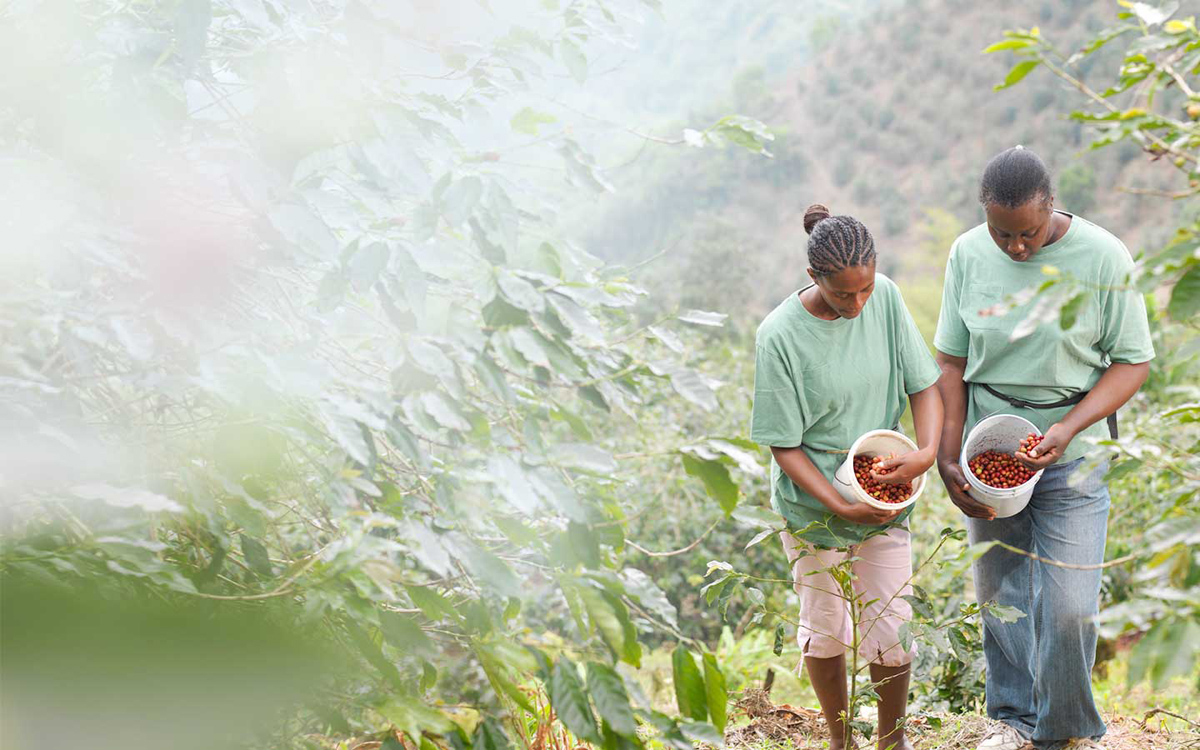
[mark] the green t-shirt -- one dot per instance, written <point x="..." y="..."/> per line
<point x="1049" y="364"/>
<point x="821" y="384"/>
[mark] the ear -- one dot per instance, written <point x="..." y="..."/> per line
<point x="811" y="274"/>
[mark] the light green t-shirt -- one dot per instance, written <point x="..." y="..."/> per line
<point x="1049" y="364"/>
<point x="820" y="384"/>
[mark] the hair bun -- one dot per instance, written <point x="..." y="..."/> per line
<point x="813" y="215"/>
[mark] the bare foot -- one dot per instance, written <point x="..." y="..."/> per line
<point x="901" y="744"/>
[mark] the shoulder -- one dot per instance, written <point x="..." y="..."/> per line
<point x="888" y="289"/>
<point x="972" y="244"/>
<point x="1108" y="251"/>
<point x="773" y="327"/>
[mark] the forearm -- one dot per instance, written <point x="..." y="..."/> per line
<point x="953" y="390"/>
<point x="927" y="418"/>
<point x="801" y="470"/>
<point x="1116" y="386"/>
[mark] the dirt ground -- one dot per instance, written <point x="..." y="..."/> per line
<point x="773" y="726"/>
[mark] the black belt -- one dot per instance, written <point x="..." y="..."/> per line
<point x="1071" y="400"/>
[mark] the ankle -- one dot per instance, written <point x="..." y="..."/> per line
<point x="895" y="741"/>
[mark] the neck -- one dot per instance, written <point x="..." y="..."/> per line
<point x="1058" y="227"/>
<point x="813" y="302"/>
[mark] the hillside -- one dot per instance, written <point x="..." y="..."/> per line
<point x="895" y="115"/>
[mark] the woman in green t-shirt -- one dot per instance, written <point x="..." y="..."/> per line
<point x="1066" y="382"/>
<point x="837" y="359"/>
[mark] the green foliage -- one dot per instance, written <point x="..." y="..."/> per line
<point x="331" y="349"/>
<point x="1077" y="188"/>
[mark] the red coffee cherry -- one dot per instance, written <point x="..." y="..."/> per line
<point x="1000" y="470"/>
<point x="888" y="493"/>
<point x="1029" y="443"/>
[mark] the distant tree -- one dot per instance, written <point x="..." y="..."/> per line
<point x="1077" y="188"/>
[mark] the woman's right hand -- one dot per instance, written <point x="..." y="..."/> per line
<point x="864" y="514"/>
<point x="957" y="486"/>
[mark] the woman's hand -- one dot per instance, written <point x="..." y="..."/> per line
<point x="1053" y="446"/>
<point x="905" y="468"/>
<point x="957" y="486"/>
<point x="864" y="514"/>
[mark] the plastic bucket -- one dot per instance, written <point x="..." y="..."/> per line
<point x="875" y="443"/>
<point x="1003" y="433"/>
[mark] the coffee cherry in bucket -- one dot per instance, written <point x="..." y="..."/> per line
<point x="1000" y="470"/>
<point x="888" y="493"/>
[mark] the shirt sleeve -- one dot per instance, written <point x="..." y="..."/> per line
<point x="1124" y="328"/>
<point x="777" y="418"/>
<point x="952" y="336"/>
<point x="919" y="367"/>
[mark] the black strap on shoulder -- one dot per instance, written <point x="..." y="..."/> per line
<point x="1071" y="400"/>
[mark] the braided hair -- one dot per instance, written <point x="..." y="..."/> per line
<point x="836" y="242"/>
<point x="1014" y="177"/>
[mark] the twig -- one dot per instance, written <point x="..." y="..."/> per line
<point x="1173" y="195"/>
<point x="685" y="550"/>
<point x="1165" y="712"/>
<point x="1070" y="566"/>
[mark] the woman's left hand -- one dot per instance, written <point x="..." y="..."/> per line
<point x="1053" y="446"/>
<point x="905" y="468"/>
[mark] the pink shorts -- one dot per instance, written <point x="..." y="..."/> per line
<point x="882" y="574"/>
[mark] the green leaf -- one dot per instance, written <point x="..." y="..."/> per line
<point x="405" y="634"/>
<point x="702" y="732"/>
<point x="413" y="718"/>
<point x="1007" y="44"/>
<point x="444" y="411"/>
<point x="497" y="674"/>
<point x="689" y="685"/>
<point x="366" y="265"/>
<point x="1003" y="612"/>
<point x="1019" y="71"/>
<point x="570" y="702"/>
<point x="603" y="614"/>
<point x="906" y="635"/>
<point x="490" y="735"/>
<point x="528" y="120"/>
<point x="1070" y="311"/>
<point x="513" y="484"/>
<point x="1118" y="470"/>
<point x="520" y="292"/>
<point x="716" y="480"/>
<point x="647" y="593"/>
<point x="760" y="536"/>
<point x="459" y="200"/>
<point x="712" y="590"/>
<point x="490" y="570"/>
<point x="612" y="702"/>
<point x="583" y="457"/>
<point x="703" y="318"/>
<point x="256" y="556"/>
<point x="777" y="648"/>
<point x="1185" y="297"/>
<point x="574" y="59"/>
<point x="716" y="693"/>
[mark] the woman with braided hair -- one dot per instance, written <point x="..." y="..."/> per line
<point x="834" y="360"/>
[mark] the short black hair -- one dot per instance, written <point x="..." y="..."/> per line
<point x="1014" y="177"/>
<point x="836" y="242"/>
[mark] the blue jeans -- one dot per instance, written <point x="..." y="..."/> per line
<point x="1039" y="668"/>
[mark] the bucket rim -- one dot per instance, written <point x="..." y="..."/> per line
<point x="999" y="493"/>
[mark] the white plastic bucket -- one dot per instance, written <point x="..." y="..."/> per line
<point x="875" y="443"/>
<point x="1003" y="433"/>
